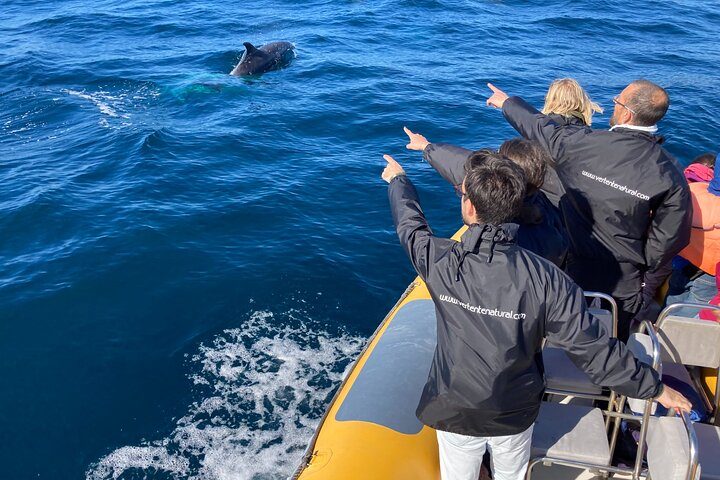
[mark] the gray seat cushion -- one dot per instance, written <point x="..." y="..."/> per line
<point x="571" y="432"/>
<point x="690" y="341"/>
<point x="562" y="374"/>
<point x="668" y="451"/>
<point x="709" y="440"/>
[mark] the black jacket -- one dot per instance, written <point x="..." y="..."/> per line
<point x="495" y="301"/>
<point x="552" y="186"/>
<point x="541" y="228"/>
<point x="626" y="204"/>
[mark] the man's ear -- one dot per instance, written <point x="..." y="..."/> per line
<point x="472" y="213"/>
<point x="627" y="117"/>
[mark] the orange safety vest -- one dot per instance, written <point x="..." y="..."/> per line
<point x="703" y="251"/>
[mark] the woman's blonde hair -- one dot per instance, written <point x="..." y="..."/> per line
<point x="566" y="97"/>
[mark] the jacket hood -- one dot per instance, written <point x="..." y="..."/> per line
<point x="477" y="233"/>
<point x="483" y="238"/>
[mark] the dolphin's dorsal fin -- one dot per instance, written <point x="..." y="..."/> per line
<point x="249" y="48"/>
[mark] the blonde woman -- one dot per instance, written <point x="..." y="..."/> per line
<point x="566" y="98"/>
<point x="567" y="104"/>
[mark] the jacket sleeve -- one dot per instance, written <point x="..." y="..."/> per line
<point x="606" y="360"/>
<point x="533" y="125"/>
<point x="670" y="228"/>
<point x="412" y="227"/>
<point x="448" y="160"/>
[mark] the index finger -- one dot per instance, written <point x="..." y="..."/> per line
<point x="493" y="88"/>
<point x="389" y="159"/>
<point x="408" y="131"/>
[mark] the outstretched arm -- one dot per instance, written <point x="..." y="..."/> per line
<point x="530" y="123"/>
<point x="448" y="160"/>
<point x="412" y="227"/>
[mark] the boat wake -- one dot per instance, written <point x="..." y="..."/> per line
<point x="262" y="389"/>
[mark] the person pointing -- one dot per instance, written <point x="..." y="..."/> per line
<point x="626" y="204"/>
<point x="494" y="303"/>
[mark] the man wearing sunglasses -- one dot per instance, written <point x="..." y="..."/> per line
<point x="626" y="206"/>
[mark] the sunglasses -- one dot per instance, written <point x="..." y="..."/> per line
<point x="459" y="191"/>
<point x="615" y="100"/>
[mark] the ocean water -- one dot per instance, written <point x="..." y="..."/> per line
<point x="190" y="261"/>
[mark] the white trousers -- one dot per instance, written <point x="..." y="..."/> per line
<point x="461" y="456"/>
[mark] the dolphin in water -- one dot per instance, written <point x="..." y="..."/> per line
<point x="271" y="56"/>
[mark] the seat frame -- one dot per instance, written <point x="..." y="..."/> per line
<point x="618" y="415"/>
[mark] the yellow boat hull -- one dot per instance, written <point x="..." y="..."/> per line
<point x="352" y="449"/>
<point x="382" y="441"/>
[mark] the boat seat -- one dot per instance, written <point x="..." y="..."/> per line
<point x="690" y="341"/>
<point x="640" y="344"/>
<point x="668" y="450"/>
<point x="571" y="432"/>
<point x="709" y="442"/>
<point x="561" y="373"/>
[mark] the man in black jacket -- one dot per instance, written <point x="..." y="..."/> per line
<point x="541" y="229"/>
<point x="495" y="301"/>
<point x="626" y="205"/>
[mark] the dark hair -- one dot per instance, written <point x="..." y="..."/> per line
<point x="649" y="101"/>
<point x="531" y="157"/>
<point x="495" y="186"/>
<point x="707" y="159"/>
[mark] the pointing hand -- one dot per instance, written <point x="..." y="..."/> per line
<point x="417" y="141"/>
<point x="498" y="97"/>
<point x="392" y="169"/>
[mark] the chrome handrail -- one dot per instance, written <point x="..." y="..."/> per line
<point x="675" y="306"/>
<point x="646" y="325"/>
<point x="693" y="445"/>
<point x="613" y="309"/>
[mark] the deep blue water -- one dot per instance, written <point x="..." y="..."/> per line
<point x="189" y="261"/>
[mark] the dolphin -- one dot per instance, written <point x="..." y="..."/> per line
<point x="271" y="56"/>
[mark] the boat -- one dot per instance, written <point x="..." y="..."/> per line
<point x="370" y="430"/>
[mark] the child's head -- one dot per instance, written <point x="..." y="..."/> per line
<point x="566" y="97"/>
<point x="707" y="159"/>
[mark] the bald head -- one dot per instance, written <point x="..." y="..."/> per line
<point x="648" y="101"/>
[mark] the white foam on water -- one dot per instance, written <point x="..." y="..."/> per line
<point x="116" y="108"/>
<point x="100" y="100"/>
<point x="263" y="389"/>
